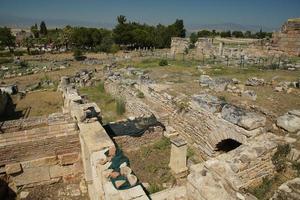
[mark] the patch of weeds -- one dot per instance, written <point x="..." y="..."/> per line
<point x="296" y="166"/>
<point x="120" y="106"/>
<point x="154" y="188"/>
<point x="279" y="158"/>
<point x="163" y="62"/>
<point x="162" y="144"/>
<point x="140" y="95"/>
<point x="190" y="153"/>
<point x="182" y="105"/>
<point x="261" y="191"/>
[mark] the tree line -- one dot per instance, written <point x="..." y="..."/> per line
<point x="126" y="34"/>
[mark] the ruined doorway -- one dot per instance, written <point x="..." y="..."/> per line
<point x="227" y="145"/>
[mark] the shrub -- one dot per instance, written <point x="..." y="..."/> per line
<point x="261" y="191"/>
<point x="78" y="55"/>
<point x="163" y="62"/>
<point x="120" y="107"/>
<point x="279" y="158"/>
<point x="24" y="64"/>
<point x="19" y="53"/>
<point x="140" y="94"/>
<point x="35" y="52"/>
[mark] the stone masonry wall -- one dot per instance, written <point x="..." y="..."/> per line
<point x="94" y="142"/>
<point x="226" y="176"/>
<point x="200" y="127"/>
<point x="288" y="39"/>
<point x="42" y="154"/>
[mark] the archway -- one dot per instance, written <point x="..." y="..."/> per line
<point x="227" y="145"/>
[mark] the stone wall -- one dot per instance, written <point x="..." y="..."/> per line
<point x="288" y="39"/>
<point x="179" y="45"/>
<point x="226" y="176"/>
<point x="199" y="127"/>
<point x="94" y="142"/>
<point x="42" y="154"/>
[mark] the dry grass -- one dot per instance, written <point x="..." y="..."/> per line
<point x="40" y="103"/>
<point x="150" y="164"/>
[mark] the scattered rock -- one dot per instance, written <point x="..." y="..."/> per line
<point x="250" y="94"/>
<point x="290" y="121"/>
<point x="254" y="81"/>
<point x="209" y="102"/>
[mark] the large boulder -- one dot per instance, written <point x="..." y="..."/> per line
<point x="208" y="102"/>
<point x="245" y="119"/>
<point x="290" y="121"/>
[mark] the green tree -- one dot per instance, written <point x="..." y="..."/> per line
<point x="28" y="43"/>
<point x="238" y="34"/>
<point x="193" y="38"/>
<point x="43" y="28"/>
<point x="6" y="38"/>
<point x="35" y="31"/>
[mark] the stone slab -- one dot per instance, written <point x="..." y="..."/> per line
<point x="32" y="175"/>
<point x="13" y="168"/>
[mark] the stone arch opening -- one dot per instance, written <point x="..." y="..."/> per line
<point x="227" y="145"/>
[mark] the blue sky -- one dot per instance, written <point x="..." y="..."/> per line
<point x="271" y="13"/>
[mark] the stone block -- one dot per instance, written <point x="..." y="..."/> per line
<point x="60" y="171"/>
<point x="13" y="168"/>
<point x="69" y="158"/>
<point x="32" y="175"/>
<point x="46" y="161"/>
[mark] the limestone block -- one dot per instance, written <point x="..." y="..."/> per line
<point x="136" y="192"/>
<point x="46" y="161"/>
<point x="13" y="168"/>
<point x="111" y="193"/>
<point x="32" y="175"/>
<point x="289" y="122"/>
<point x="69" y="158"/>
<point x="59" y="171"/>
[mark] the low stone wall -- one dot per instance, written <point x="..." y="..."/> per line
<point x="94" y="143"/>
<point x="199" y="127"/>
<point x="226" y="176"/>
<point x="40" y="155"/>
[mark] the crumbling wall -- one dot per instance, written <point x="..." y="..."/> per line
<point x="94" y="142"/>
<point x="40" y="155"/>
<point x="226" y="176"/>
<point x="179" y="45"/>
<point x="199" y="127"/>
<point x="288" y="39"/>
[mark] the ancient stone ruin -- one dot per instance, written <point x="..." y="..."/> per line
<point x="288" y="38"/>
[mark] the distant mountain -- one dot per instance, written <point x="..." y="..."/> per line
<point x="229" y="26"/>
<point x="22" y="22"/>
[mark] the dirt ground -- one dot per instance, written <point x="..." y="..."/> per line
<point x="35" y="103"/>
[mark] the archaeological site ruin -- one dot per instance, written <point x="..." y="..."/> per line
<point x="214" y="118"/>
